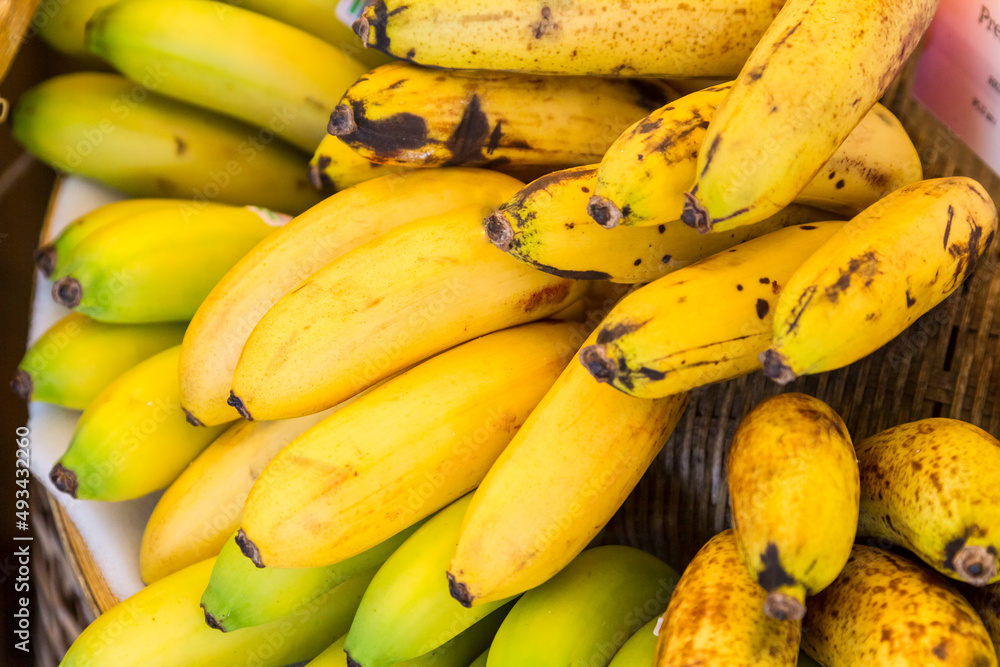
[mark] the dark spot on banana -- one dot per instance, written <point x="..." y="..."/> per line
<point x="248" y="548"/>
<point x="386" y="137"/>
<point x="865" y="267"/>
<point x="910" y="301"/>
<point x="570" y="225"/>
<point x="612" y="333"/>
<point x="22" y="385"/>
<point x="855" y="102"/>
<point x="762" y="308"/>
<point x="637" y="262"/>
<point x="64" y="479"/>
<point x="351" y="662"/>
<point x="495" y="136"/>
<point x="775" y="288"/>
<point x="651" y="373"/>
<point x="739" y="288"/>
<point x="773" y="576"/>
<point x="776" y="367"/>
<point x="649" y="125"/>
<point x="377" y="24"/>
<point x="807" y="227"/>
<point x="190" y="418"/>
<point x="459" y="591"/>
<point x="756" y="73"/>
<point x="547" y="295"/>
<point x="237" y="403"/>
<point x="545" y="24"/>
<point x="597" y="363"/>
<point x="661" y="228"/>
<point x="694" y="214"/>
<point x="211" y="621"/>
<point x="604" y="212"/>
<point x="665" y="259"/>
<point x="397" y="84"/>
<point x="585" y="190"/>
<point x="180" y="145"/>
<point x="467" y="141"/>
<point x="774" y="109"/>
<point x="832" y="175"/>
<point x="765" y="281"/>
<point x="840" y="184"/>
<point x="652" y="94"/>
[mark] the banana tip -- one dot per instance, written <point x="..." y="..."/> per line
<point x="776" y="367"/>
<point x="341" y="121"/>
<point x="45" y="259"/>
<point x="237" y="403"/>
<point x="604" y="212"/>
<point x="351" y="662"/>
<point x="361" y="28"/>
<point x="459" y="591"/>
<point x="22" y="385"/>
<point x="64" y="479"/>
<point x="595" y="359"/>
<point x="67" y="292"/>
<point x="499" y="230"/>
<point x="782" y="607"/>
<point x="191" y="419"/>
<point x="248" y="548"/>
<point x="695" y="215"/>
<point x="212" y="621"/>
<point x="975" y="564"/>
<point x="317" y="174"/>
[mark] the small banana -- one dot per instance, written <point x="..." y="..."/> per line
<point x="77" y="357"/>
<point x="559" y="481"/>
<point x="716" y="616"/>
<point x="105" y="127"/>
<point x="160" y="265"/>
<point x="584" y="614"/>
<point x="411" y="293"/>
<point x="704" y="323"/>
<point x="648" y="38"/>
<point x="132" y="439"/>
<point x="640" y="648"/>
<point x="335" y="166"/>
<point x="546" y="225"/>
<point x="412" y="116"/>
<point x="277" y="264"/>
<point x="790" y="107"/>
<point x="794" y="491"/>
<point x="928" y="486"/>
<point x="886" y="610"/>
<point x="888" y="266"/>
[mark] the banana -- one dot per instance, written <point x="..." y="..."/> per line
<point x="223" y="322"/>
<point x="412" y="116"/>
<point x="794" y="490"/>
<point x="132" y="439"/>
<point x="986" y="602"/>
<point x="229" y="60"/>
<point x="886" y="610"/>
<point x="411" y="293"/>
<point x="104" y="127"/>
<point x="160" y="265"/>
<point x="162" y="626"/>
<point x="335" y="166"/>
<point x="704" y="323"/>
<point x="642" y="38"/>
<point x="546" y="225"/>
<point x="888" y="266"/>
<point x="241" y="595"/>
<point x="928" y="486"/>
<point x="482" y="659"/>
<point x="77" y="357"/>
<point x="559" y="481"/>
<point x="811" y="78"/>
<point x="645" y="173"/>
<point x="407" y="610"/>
<point x="716" y="616"/>
<point x="640" y="648"/>
<point x="584" y="614"/>
<point x="347" y="483"/>
<point x="61" y="25"/>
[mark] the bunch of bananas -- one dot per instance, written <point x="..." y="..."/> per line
<point x="390" y="419"/>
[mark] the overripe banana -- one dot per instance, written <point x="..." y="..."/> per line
<point x="810" y="80"/>
<point x="160" y="265"/>
<point x="227" y="59"/>
<point x="716" y="616"/>
<point x="413" y="116"/>
<point x="335" y="166"/>
<point x="645" y="38"/>
<point x="411" y="293"/>
<point x="132" y="439"/>
<point x="640" y="648"/>
<point x="888" y="266"/>
<point x="559" y="481"/>
<point x="277" y="264"/>
<point x="929" y="486"/>
<point x="349" y="483"/>
<point x="584" y="614"/>
<point x="105" y="127"/>
<point x="77" y="357"/>
<point x="546" y="225"/>
<point x="704" y="323"/>
<point x="794" y="491"/>
<point x="886" y="610"/>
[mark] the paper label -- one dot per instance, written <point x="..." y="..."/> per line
<point x="349" y="11"/>
<point x="958" y="76"/>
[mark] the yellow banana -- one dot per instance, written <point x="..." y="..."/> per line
<point x="132" y="439"/>
<point x="704" y="323"/>
<point x="716" y="616"/>
<point x="77" y="357"/>
<point x="411" y="293"/>
<point x="277" y="264"/>
<point x="640" y="648"/>
<point x="644" y="175"/>
<point x="457" y="652"/>
<point x="810" y="80"/>
<point x="568" y="469"/>
<point x="886" y="610"/>
<point x="794" y="491"/>
<point x="105" y="127"/>
<point x="160" y="265"/>
<point x="888" y="266"/>
<point x="546" y="225"/>
<point x="348" y="483"/>
<point x="162" y="626"/>
<point x="929" y="486"/>
<point x="227" y="59"/>
<point x="61" y="25"/>
<point x="642" y="38"/>
<point x="335" y="166"/>
<point x="482" y="659"/>
<point x="407" y="115"/>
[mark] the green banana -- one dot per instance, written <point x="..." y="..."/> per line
<point x="105" y="127"/>
<point x="482" y="659"/>
<point x="640" y="648"/>
<point x="77" y="357"/>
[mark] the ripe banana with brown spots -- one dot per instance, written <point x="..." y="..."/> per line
<point x="407" y="115"/>
<point x="810" y="80"/>
<point x="793" y="488"/>
<point x="335" y="166"/>
<point x="644" y="175"/>
<point x="930" y="486"/>
<point x="651" y="38"/>
<point x="716" y="616"/>
<point x="704" y="323"/>
<point x="546" y="225"/>
<point x="888" y="266"/>
<point x="886" y="610"/>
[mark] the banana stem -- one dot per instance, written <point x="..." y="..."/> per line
<point x="342" y="121"/>
<point x="782" y="607"/>
<point x="64" y="479"/>
<point x="361" y="28"/>
<point x="596" y="361"/>
<point x="604" y="212"/>
<point x="975" y="564"/>
<point x="67" y="292"/>
<point x="45" y="259"/>
<point x="22" y="385"/>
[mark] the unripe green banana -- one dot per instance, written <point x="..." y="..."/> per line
<point x="77" y="357"/>
<point x="640" y="648"/>
<point x="105" y="127"/>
